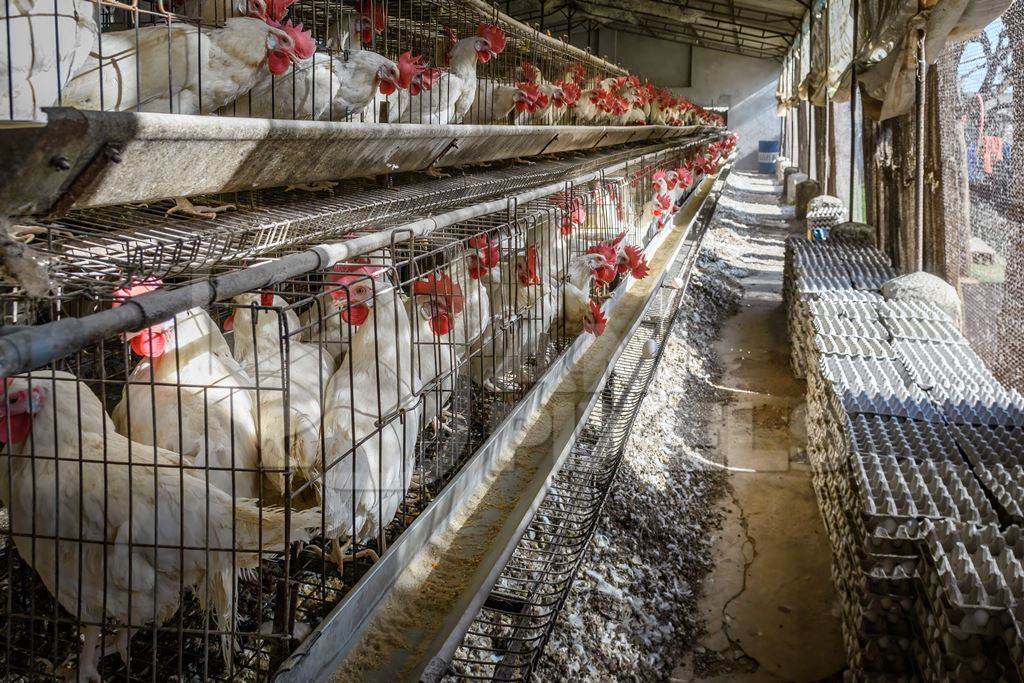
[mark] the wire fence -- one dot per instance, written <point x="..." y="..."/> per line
<point x="189" y="499"/>
<point x="969" y="182"/>
<point x="408" y="61"/>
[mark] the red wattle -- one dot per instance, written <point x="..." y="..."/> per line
<point x="355" y="314"/>
<point x="441" y="324"/>
<point x="229" y="323"/>
<point x="19" y="426"/>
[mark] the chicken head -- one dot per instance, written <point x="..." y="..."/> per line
<point x="356" y="286"/>
<point x="438" y="300"/>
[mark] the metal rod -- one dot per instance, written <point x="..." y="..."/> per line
<point x="32" y="347"/>
<point x="853" y="106"/>
<point x="922" y="73"/>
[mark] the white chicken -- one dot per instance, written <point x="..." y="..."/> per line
<point x="190" y="396"/>
<point x="371" y="414"/>
<point x="475" y="274"/>
<point x="494" y="102"/>
<point x="43" y="44"/>
<point x="437" y="303"/>
<point x="182" y="69"/>
<point x="288" y="422"/>
<point x="452" y="96"/>
<point x="329" y="321"/>
<point x="326" y="87"/>
<point x="512" y="292"/>
<point x="578" y="311"/>
<point x="134" y="526"/>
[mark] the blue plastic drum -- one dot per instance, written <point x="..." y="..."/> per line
<point x="767" y="153"/>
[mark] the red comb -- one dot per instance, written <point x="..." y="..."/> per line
<point x="530" y="72"/>
<point x="304" y="44"/>
<point x="494" y="36"/>
<point x="267" y="298"/>
<point x="597" y="321"/>
<point x="446" y="297"/>
<point x="408" y="68"/>
<point x="636" y="262"/>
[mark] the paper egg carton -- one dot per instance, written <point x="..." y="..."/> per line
<point x="934" y="364"/>
<point x="992" y="405"/>
<point x="927" y="330"/>
<point x="902" y="438"/>
<point x="973" y="574"/>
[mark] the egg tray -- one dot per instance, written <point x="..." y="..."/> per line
<point x="887" y="493"/>
<point x="911" y="309"/>
<point x="973" y="574"/>
<point x="879" y="658"/>
<point x="1006" y="486"/>
<point x="924" y="330"/>
<point x="936" y="627"/>
<point x="937" y="364"/>
<point x="902" y="438"/>
<point x="839" y="308"/>
<point x="858" y="347"/>
<point x="937" y="663"/>
<point x="847" y="327"/>
<point x="990" y="443"/>
<point x="869" y="275"/>
<point x="979" y="405"/>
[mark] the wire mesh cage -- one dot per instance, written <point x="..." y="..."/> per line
<point x="191" y="498"/>
<point x="411" y="61"/>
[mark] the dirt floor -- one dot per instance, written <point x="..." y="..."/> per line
<point x="710" y="562"/>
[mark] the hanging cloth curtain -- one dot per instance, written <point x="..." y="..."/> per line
<point x="889" y="80"/>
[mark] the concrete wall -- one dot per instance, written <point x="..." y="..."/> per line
<point x="706" y="77"/>
<point x="747" y="87"/>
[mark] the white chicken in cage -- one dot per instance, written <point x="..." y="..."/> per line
<point x="478" y="271"/>
<point x="181" y="68"/>
<point x="325" y="87"/>
<point x="512" y="293"/>
<point x="189" y="395"/>
<point x="134" y="526"/>
<point x="579" y="311"/>
<point x="328" y="321"/>
<point x="451" y="97"/>
<point x="438" y="304"/>
<point x="289" y="379"/>
<point x="43" y="44"/>
<point x="495" y="102"/>
<point x="371" y="414"/>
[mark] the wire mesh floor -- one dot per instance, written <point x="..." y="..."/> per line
<point x="98" y="250"/>
<point x="508" y="636"/>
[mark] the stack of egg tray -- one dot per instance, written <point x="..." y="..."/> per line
<point x="908" y="432"/>
<point x="841" y="270"/>
<point x="969" y="606"/>
<point x="824" y="213"/>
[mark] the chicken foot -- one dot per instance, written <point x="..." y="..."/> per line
<point x="87" y="670"/>
<point x="340" y="554"/>
<point x="184" y="205"/>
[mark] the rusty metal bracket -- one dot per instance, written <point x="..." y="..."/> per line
<point x="549" y="143"/>
<point x="109" y="154"/>
<point x="454" y="144"/>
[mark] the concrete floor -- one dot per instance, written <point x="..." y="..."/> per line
<point x="769" y="604"/>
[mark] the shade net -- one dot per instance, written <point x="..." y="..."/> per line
<point x="981" y="187"/>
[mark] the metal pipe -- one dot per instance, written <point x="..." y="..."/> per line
<point x="544" y="39"/>
<point x="922" y="73"/>
<point x="27" y="348"/>
<point x="853" y="105"/>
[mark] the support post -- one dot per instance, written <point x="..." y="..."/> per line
<point x="919" y="143"/>
<point x="853" y="107"/>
